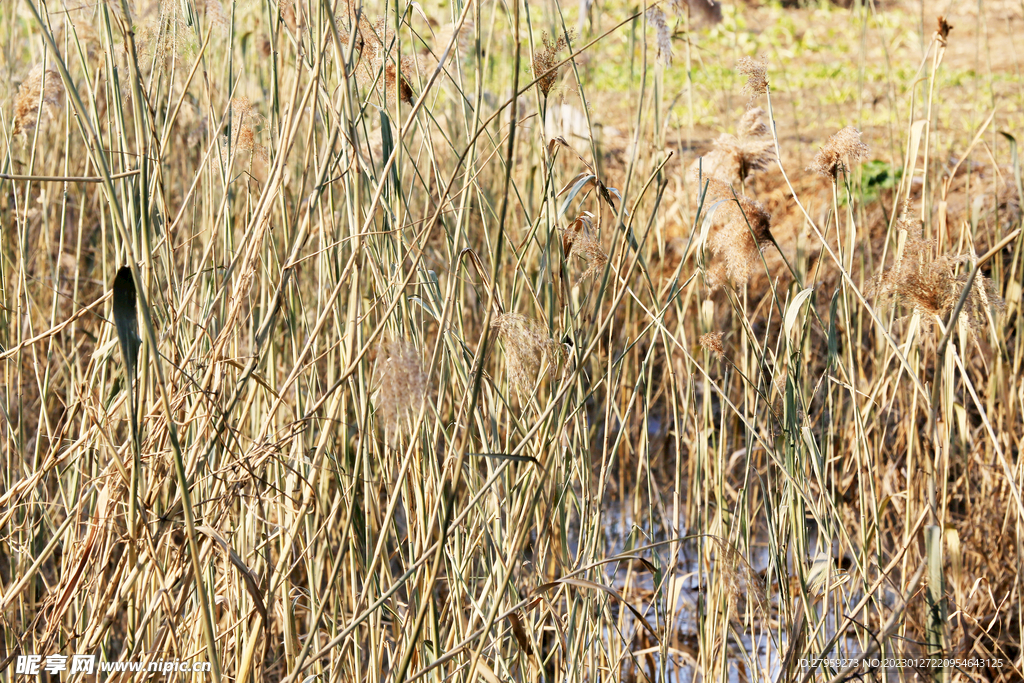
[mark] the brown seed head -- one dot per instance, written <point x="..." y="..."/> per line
<point x="245" y="125"/>
<point x="712" y="343"/>
<point x="943" y="30"/>
<point x="740" y="578"/>
<point x="736" y="157"/>
<point x="931" y="284"/>
<point x="527" y="348"/>
<point x="545" y="60"/>
<point x="841" y="149"/>
<point x="740" y="230"/>
<point x="579" y="240"/>
<point x="40" y="87"/>
<point x="756" y="71"/>
<point x="396" y="84"/>
<point x="404" y="383"/>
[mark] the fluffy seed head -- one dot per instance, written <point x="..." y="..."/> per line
<point x="735" y="157"/>
<point x="544" y="61"/>
<point x="931" y="285"/>
<point x="756" y="71"/>
<point x="403" y="384"/>
<point x="579" y="240"/>
<point x="245" y="124"/>
<point x="464" y="41"/>
<point x="374" y="56"/>
<point x="712" y="343"/>
<point x="216" y="16"/>
<point x="41" y="87"/>
<point x="527" y="347"/>
<point x="740" y="578"/>
<point x="740" y="230"/>
<point x="656" y="18"/>
<point x="845" y="147"/>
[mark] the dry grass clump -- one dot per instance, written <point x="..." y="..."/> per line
<point x="740" y="230"/>
<point x="41" y="87"/>
<point x="528" y="347"/>
<point x="403" y="383"/>
<point x="841" y="150"/>
<point x="735" y="157"/>
<point x="544" y="60"/>
<point x="930" y="284"/>
<point x="261" y="518"/>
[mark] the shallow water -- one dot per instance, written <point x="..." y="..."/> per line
<point x="754" y="654"/>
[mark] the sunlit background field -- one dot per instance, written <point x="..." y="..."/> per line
<point x="491" y="342"/>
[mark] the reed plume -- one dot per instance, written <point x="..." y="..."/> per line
<point x="838" y="152"/>
<point x="579" y="240"/>
<point x="42" y="87"/>
<point x="527" y="348"/>
<point x="544" y="61"/>
<point x="657" y="19"/>
<point x="740" y="230"/>
<point x="245" y="124"/>
<point x="930" y="285"/>
<point x="712" y="343"/>
<point x="756" y="71"/>
<point x="403" y="383"/>
<point x="735" y="157"/>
